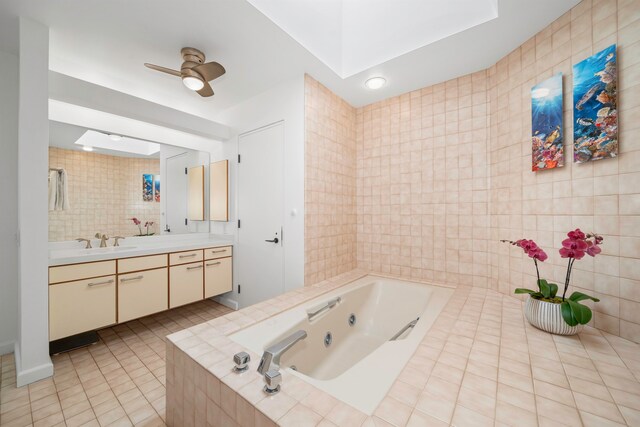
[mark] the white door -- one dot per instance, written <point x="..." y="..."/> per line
<point x="260" y="211"/>
<point x="175" y="192"/>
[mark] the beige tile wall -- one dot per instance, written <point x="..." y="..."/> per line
<point x="444" y="172"/>
<point x="105" y="192"/>
<point x="601" y="196"/>
<point x="422" y="183"/>
<point x="330" y="184"/>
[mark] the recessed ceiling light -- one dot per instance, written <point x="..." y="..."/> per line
<point x="375" y="82"/>
<point x="115" y="137"/>
<point x="87" y="148"/>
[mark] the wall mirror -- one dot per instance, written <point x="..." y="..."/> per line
<point x="219" y="191"/>
<point x="99" y="182"/>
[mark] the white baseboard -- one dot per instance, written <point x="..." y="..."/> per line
<point x="7" y="347"/>
<point x="28" y="376"/>
<point x="227" y="302"/>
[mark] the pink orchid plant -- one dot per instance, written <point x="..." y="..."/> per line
<point x="147" y="224"/>
<point x="574" y="247"/>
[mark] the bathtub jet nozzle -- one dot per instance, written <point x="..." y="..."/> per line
<point x="271" y="356"/>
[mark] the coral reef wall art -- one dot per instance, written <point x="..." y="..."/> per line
<point x="546" y="124"/>
<point x="595" y="134"/>
<point x="147" y="187"/>
<point x="156" y="188"/>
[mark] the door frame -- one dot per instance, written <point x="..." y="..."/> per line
<point x="240" y="298"/>
<point x="173" y="157"/>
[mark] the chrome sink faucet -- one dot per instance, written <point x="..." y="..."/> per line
<point x="103" y="239"/>
<point x="271" y="357"/>
<point x="116" y="238"/>
<point x="88" y="246"/>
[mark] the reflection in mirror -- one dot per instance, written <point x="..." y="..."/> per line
<point x="196" y="193"/>
<point x="219" y="191"/>
<point x="116" y="185"/>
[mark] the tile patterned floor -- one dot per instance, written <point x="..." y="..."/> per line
<point x="118" y="382"/>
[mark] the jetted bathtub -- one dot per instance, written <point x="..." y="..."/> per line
<point x="371" y="336"/>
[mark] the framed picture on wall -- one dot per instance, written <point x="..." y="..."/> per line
<point x="595" y="109"/>
<point x="547" y="149"/>
<point x="147" y="187"/>
<point x="156" y="188"/>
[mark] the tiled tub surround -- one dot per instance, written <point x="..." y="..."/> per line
<point x="329" y="184"/>
<point x="480" y="364"/>
<point x="361" y="362"/>
<point x="105" y="192"/>
<point x="443" y="173"/>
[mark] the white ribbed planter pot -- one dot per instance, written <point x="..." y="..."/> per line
<point x="548" y="317"/>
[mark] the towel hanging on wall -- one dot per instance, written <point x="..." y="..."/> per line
<point x="58" y="190"/>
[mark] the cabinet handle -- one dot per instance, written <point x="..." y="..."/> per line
<point x="213" y="263"/>
<point x="219" y="252"/>
<point x="194" y="267"/>
<point x="186" y="256"/>
<point x="127" y="279"/>
<point x="104" y="282"/>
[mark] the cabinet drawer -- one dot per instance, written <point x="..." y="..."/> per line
<point x="217" y="277"/>
<point x="213" y="253"/>
<point x="141" y="294"/>
<point x="68" y="273"/>
<point x="186" y="283"/>
<point x="126" y="265"/>
<point x="81" y="306"/>
<point x="185" y="257"/>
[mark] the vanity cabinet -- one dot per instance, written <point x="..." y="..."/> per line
<point x="186" y="283"/>
<point x="84" y="297"/>
<point x="217" y="277"/>
<point x="142" y="293"/>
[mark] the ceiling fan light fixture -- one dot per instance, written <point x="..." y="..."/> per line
<point x="193" y="83"/>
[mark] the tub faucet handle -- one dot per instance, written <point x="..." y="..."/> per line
<point x="241" y="360"/>
<point x="273" y="379"/>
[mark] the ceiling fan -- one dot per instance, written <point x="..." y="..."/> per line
<point x="195" y="73"/>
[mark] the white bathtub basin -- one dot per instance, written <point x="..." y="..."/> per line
<point x="361" y="363"/>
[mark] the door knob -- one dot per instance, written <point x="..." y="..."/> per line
<point x="275" y="240"/>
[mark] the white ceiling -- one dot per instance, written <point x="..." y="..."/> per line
<point x="106" y="42"/>
<point x="351" y="36"/>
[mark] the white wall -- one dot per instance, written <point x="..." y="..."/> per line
<point x="9" y="222"/>
<point x="284" y="102"/>
<point x="32" y="350"/>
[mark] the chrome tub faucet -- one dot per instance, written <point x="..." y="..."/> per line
<point x="271" y="357"/>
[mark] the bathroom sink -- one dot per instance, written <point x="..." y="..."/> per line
<point x="109" y="249"/>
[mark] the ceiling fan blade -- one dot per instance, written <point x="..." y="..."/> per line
<point x="206" y="90"/>
<point x="210" y="70"/>
<point x="163" y="69"/>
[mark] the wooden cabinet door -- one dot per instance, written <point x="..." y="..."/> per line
<point x="81" y="306"/>
<point x="186" y="284"/>
<point x="218" y="277"/>
<point x="142" y="293"/>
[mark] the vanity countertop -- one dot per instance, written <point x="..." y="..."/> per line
<point x="72" y="253"/>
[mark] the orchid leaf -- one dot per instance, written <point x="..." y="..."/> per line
<point x="579" y="296"/>
<point x="567" y="314"/>
<point x="581" y="313"/>
<point x="524" y="291"/>
<point x="545" y="289"/>
<point x="554" y="289"/>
